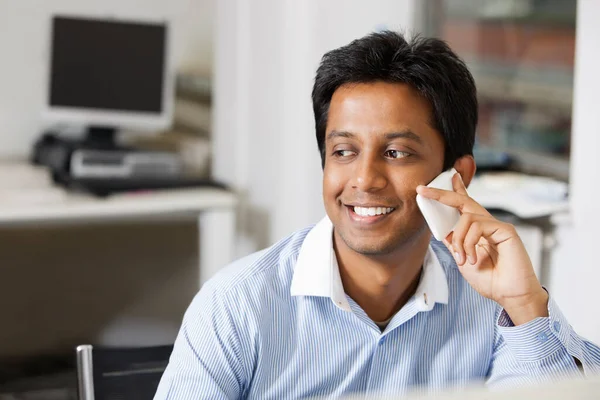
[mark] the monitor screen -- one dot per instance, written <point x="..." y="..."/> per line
<point x="107" y="65"/>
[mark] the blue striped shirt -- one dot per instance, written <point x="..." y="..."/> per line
<point x="254" y="332"/>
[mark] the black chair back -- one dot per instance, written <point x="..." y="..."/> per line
<point x="120" y="373"/>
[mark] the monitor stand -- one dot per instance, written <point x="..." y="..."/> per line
<point x="101" y="138"/>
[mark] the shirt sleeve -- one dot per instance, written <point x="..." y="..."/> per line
<point x="206" y="362"/>
<point x="542" y="349"/>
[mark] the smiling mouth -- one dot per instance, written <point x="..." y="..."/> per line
<point x="370" y="211"/>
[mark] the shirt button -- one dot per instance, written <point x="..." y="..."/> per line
<point x="556" y="326"/>
<point x="542" y="337"/>
<point x="382" y="340"/>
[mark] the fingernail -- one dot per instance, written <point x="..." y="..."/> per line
<point x="471" y="259"/>
<point x="458" y="257"/>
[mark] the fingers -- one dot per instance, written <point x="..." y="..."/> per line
<point x="459" y="185"/>
<point x="446" y="197"/>
<point x="470" y="229"/>
<point x="463" y="253"/>
<point x="472" y="238"/>
<point x="458" y="198"/>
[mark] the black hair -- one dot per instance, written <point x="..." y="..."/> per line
<point x="426" y="64"/>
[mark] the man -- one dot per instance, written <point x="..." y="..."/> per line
<point x="365" y="301"/>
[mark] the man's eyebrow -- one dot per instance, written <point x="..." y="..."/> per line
<point x="407" y="134"/>
<point x="344" y="134"/>
<point x="404" y="135"/>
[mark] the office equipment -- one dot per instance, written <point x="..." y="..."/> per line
<point x="115" y="373"/>
<point x="123" y="164"/>
<point x="101" y="172"/>
<point x="109" y="76"/>
<point x="104" y="187"/>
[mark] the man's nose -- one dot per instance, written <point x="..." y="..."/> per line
<point x="369" y="175"/>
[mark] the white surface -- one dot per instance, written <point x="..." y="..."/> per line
<point x="85" y="208"/>
<point x="28" y="195"/>
<point x="561" y="389"/>
<point x="25" y="24"/>
<point x="523" y="195"/>
<point x="266" y="56"/>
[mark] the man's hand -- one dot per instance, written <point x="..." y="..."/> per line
<point x="491" y="256"/>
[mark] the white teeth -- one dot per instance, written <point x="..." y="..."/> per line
<point x="372" y="211"/>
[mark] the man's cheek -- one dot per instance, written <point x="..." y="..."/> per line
<point x="332" y="180"/>
<point x="409" y="200"/>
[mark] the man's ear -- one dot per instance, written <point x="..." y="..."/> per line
<point x="466" y="168"/>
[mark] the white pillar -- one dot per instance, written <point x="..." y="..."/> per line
<point x="575" y="271"/>
<point x="216" y="231"/>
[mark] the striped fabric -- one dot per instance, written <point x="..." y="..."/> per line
<point x="246" y="336"/>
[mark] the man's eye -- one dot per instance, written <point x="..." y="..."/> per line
<point x="343" y="153"/>
<point x="396" y="154"/>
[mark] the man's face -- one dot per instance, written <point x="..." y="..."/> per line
<point x="379" y="147"/>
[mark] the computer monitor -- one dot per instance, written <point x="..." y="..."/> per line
<point x="108" y="74"/>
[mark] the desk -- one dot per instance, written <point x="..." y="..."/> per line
<point x="533" y="202"/>
<point x="28" y="198"/>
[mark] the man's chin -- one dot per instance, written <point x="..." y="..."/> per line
<point x="372" y="252"/>
<point x="377" y="246"/>
<point x="370" y="247"/>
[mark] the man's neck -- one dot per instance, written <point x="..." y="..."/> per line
<point x="381" y="285"/>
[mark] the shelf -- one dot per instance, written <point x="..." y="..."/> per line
<point x="550" y="88"/>
<point x="535" y="163"/>
<point x="529" y="12"/>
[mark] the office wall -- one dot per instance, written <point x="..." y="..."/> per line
<point x="23" y="51"/>
<point x="266" y="56"/>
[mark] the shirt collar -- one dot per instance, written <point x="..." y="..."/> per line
<point x="317" y="272"/>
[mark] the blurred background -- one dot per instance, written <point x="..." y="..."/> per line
<point x="112" y="214"/>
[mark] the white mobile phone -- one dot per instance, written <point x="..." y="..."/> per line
<point x="440" y="217"/>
